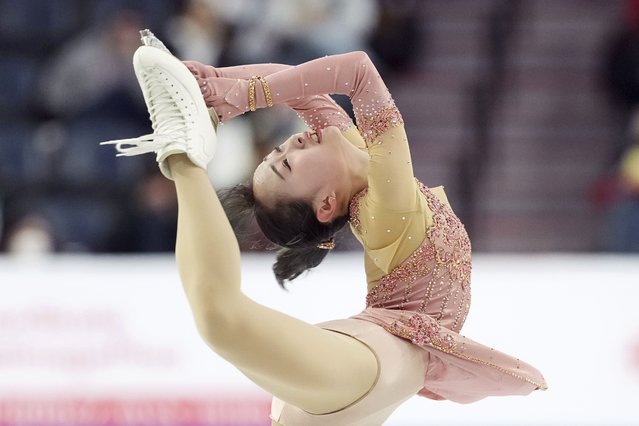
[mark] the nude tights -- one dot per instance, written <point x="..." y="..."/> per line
<point x="314" y="369"/>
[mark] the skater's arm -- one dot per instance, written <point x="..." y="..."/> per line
<point x="244" y="72"/>
<point x="378" y="119"/>
<point x="317" y="111"/>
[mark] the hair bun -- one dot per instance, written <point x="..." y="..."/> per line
<point x="327" y="245"/>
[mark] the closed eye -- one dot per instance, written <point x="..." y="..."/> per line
<point x="288" y="166"/>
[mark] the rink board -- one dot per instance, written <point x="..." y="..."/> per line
<point x="90" y="340"/>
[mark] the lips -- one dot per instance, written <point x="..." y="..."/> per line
<point x="313" y="136"/>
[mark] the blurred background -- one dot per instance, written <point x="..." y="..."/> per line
<point x="525" y="110"/>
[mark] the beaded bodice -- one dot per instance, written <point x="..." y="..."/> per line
<point x="426" y="298"/>
<point x="435" y="279"/>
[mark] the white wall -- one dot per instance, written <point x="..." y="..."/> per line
<point x="100" y="338"/>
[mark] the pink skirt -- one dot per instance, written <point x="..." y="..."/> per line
<point x="401" y="367"/>
<point x="459" y="369"/>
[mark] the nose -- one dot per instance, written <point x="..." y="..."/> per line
<point x="294" y="142"/>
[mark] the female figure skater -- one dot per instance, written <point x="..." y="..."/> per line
<point x="354" y="371"/>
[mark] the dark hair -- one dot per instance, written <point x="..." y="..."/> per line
<point x="290" y="224"/>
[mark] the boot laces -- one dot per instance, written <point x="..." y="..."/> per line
<point x="167" y="120"/>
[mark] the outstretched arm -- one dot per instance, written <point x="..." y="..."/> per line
<point x="392" y="190"/>
<point x="317" y="370"/>
<point x="391" y="215"/>
<point x="317" y="111"/>
<point x="351" y="74"/>
<point x="391" y="183"/>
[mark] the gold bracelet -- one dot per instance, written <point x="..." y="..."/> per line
<point x="267" y="91"/>
<point x="252" y="93"/>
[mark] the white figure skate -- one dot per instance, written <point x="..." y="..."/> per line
<point x="179" y="116"/>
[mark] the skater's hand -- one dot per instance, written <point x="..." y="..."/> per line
<point x="223" y="94"/>
<point x="199" y="70"/>
<point x="228" y="96"/>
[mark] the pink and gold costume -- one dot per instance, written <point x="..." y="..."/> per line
<point x="417" y="252"/>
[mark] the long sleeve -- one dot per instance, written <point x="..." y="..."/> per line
<point x="392" y="209"/>
<point x="352" y="74"/>
<point x="307" y="107"/>
<point x="392" y="215"/>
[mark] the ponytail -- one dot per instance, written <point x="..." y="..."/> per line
<point x="292" y="262"/>
<point x="292" y="225"/>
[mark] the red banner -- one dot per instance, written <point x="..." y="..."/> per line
<point x="135" y="412"/>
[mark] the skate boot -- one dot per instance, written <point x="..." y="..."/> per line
<point x="149" y="39"/>
<point x="179" y="116"/>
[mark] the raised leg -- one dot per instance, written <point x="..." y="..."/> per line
<point x="317" y="370"/>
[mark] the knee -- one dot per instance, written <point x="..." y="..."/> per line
<point x="217" y="323"/>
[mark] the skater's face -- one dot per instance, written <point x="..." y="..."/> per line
<point x="307" y="166"/>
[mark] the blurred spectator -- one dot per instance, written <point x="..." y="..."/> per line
<point x="619" y="192"/>
<point x="339" y="26"/>
<point x="62" y="220"/>
<point x="294" y="31"/>
<point x="621" y="233"/>
<point x="398" y="24"/>
<point x="197" y="32"/>
<point x="630" y="169"/>
<point x="93" y="72"/>
<point x="621" y="75"/>
<point x="31" y="236"/>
